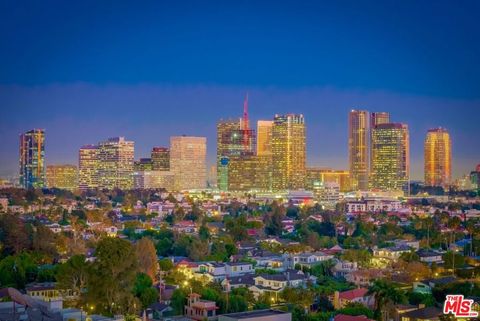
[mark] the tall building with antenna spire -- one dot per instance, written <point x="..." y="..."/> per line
<point x="234" y="138"/>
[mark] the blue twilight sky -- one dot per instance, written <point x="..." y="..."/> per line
<point x="87" y="70"/>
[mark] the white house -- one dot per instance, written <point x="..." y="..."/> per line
<point x="238" y="268"/>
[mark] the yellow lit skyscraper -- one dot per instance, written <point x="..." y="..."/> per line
<point x="88" y="166"/>
<point x="358" y="141"/>
<point x="32" y="159"/>
<point x="376" y="118"/>
<point x="116" y="157"/>
<point x="390" y="157"/>
<point x="62" y="176"/>
<point x="233" y="139"/>
<point x="250" y="173"/>
<point x="438" y="157"/>
<point x="288" y="152"/>
<point x="264" y="137"/>
<point x="188" y="162"/>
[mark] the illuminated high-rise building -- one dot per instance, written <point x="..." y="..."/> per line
<point x="475" y="178"/>
<point x="188" y="162"/>
<point x="88" y="167"/>
<point x="234" y="138"/>
<point x="438" y="157"/>
<point x="390" y="157"/>
<point x="264" y="137"/>
<point x="358" y="144"/>
<point x="62" y="176"/>
<point x="32" y="159"/>
<point x="250" y="173"/>
<point x="160" y="157"/>
<point x="116" y="157"/>
<point x="320" y="176"/>
<point x="376" y="118"/>
<point x="288" y="152"/>
<point x="143" y="164"/>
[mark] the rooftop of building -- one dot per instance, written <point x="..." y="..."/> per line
<point x="254" y="314"/>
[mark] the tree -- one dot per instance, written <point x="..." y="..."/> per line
<point x="16" y="271"/>
<point x="44" y="241"/>
<point x="416" y="298"/>
<point x="178" y="300"/>
<point x="144" y="291"/>
<point x="453" y="260"/>
<point x="13" y="234"/>
<point x="204" y="233"/>
<point x="354" y="308"/>
<point x="147" y="257"/>
<point x="362" y="257"/>
<point x="273" y="221"/>
<point x="74" y="274"/>
<point x="197" y="249"/>
<point x="386" y="295"/>
<point x="165" y="265"/>
<point x="113" y="276"/>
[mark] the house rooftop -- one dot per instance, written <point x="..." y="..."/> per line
<point x="254" y="314"/>
<point x="353" y="294"/>
<point x="428" y="313"/>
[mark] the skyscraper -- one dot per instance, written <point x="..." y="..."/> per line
<point x="390" y="157"/>
<point x="358" y="142"/>
<point x="264" y="137"/>
<point x="288" y="152"/>
<point x="376" y="118"/>
<point x="32" y="159"/>
<point x="188" y="162"/>
<point x="88" y="167"/>
<point x="62" y="176"/>
<point x="234" y="138"/>
<point x="438" y="157"/>
<point x="116" y="157"/>
<point x="160" y="158"/>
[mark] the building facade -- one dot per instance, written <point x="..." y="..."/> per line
<point x="438" y="157"/>
<point x="264" y="137"/>
<point x="143" y="164"/>
<point x="390" y="157"/>
<point x="358" y="148"/>
<point x="32" y="159"/>
<point x="153" y="180"/>
<point x="376" y="118"/>
<point x="318" y="176"/>
<point x="288" y="152"/>
<point x="233" y="140"/>
<point x="250" y="173"/>
<point x="116" y="158"/>
<point x="88" y="165"/>
<point x="160" y="158"/>
<point x="188" y="162"/>
<point x="62" y="176"/>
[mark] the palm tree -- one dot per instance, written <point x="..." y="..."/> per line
<point x="386" y="295"/>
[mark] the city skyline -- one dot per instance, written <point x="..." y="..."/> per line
<point x="323" y="160"/>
